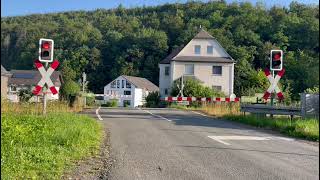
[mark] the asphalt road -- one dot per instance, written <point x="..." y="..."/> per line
<point x="172" y="144"/>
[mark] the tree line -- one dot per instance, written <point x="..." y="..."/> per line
<point x="108" y="43"/>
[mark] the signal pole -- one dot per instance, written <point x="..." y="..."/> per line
<point x="44" y="91"/>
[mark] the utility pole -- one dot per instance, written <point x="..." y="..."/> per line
<point x="180" y="88"/>
<point x="84" y="83"/>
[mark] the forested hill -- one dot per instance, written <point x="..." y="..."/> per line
<point x="108" y="43"/>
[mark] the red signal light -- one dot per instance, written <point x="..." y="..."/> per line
<point x="46" y="45"/>
<point x="277" y="56"/>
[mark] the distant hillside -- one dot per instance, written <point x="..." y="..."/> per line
<point x="107" y="43"/>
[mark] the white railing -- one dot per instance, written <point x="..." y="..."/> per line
<point x="114" y="95"/>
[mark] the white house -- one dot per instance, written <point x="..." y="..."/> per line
<point x="4" y="82"/>
<point x="129" y="90"/>
<point x="202" y="58"/>
<point x="27" y="79"/>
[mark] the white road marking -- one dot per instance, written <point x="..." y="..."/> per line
<point x="250" y="138"/>
<point x="156" y="115"/>
<point x="220" y="141"/>
<point x="98" y="115"/>
<point x="283" y="138"/>
<point x="199" y="113"/>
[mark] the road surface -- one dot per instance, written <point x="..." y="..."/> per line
<point x="173" y="144"/>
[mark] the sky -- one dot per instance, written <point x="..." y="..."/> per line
<point x="26" y="7"/>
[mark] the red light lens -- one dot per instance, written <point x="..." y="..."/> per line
<point x="277" y="56"/>
<point x="46" y="45"/>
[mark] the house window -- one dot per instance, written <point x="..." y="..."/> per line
<point x="209" y="50"/>
<point x="166" y="91"/>
<point x="127" y="92"/>
<point x="166" y="70"/>
<point x="122" y="84"/>
<point x="113" y="84"/>
<point x="126" y="103"/>
<point x="218" y="88"/>
<point x="13" y="88"/>
<point x="189" y="69"/>
<point x="118" y="83"/>
<point x="128" y="85"/>
<point x="217" y="70"/>
<point x="107" y="91"/>
<point x="197" y="49"/>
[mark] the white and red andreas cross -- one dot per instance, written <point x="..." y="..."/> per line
<point x="273" y="86"/>
<point x="46" y="77"/>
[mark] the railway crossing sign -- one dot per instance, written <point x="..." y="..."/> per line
<point x="273" y="84"/>
<point x="45" y="77"/>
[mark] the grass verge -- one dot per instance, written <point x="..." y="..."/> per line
<point x="301" y="128"/>
<point x="43" y="147"/>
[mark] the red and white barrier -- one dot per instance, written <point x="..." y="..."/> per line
<point x="45" y="77"/>
<point x="199" y="99"/>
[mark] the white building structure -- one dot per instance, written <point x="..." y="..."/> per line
<point x="129" y="90"/>
<point x="203" y="58"/>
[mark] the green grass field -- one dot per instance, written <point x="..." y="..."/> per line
<point x="38" y="147"/>
<point x="300" y="128"/>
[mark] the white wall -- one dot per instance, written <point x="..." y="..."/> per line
<point x="137" y="97"/>
<point x="203" y="71"/>
<point x="188" y="50"/>
<point x="164" y="81"/>
<point x="118" y="93"/>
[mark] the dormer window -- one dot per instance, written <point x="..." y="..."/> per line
<point x="166" y="70"/>
<point x="118" y="84"/>
<point x="128" y="85"/>
<point x="113" y="84"/>
<point x="197" y="49"/>
<point x="209" y="49"/>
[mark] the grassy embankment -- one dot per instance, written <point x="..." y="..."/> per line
<point x="301" y="128"/>
<point x="44" y="147"/>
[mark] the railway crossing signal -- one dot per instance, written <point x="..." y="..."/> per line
<point x="276" y="64"/>
<point x="46" y="56"/>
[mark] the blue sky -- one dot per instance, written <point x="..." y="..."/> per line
<point x="24" y="7"/>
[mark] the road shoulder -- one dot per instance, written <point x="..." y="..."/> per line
<point x="94" y="167"/>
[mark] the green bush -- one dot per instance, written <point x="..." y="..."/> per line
<point x="70" y="88"/>
<point x="153" y="99"/>
<point x="25" y="95"/>
<point x="111" y="103"/>
<point x="90" y="100"/>
<point x="194" y="88"/>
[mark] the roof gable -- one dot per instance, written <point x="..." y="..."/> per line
<point x="141" y="83"/>
<point x="4" y="72"/>
<point x="204" y="39"/>
<point x="202" y="34"/>
<point x="138" y="82"/>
